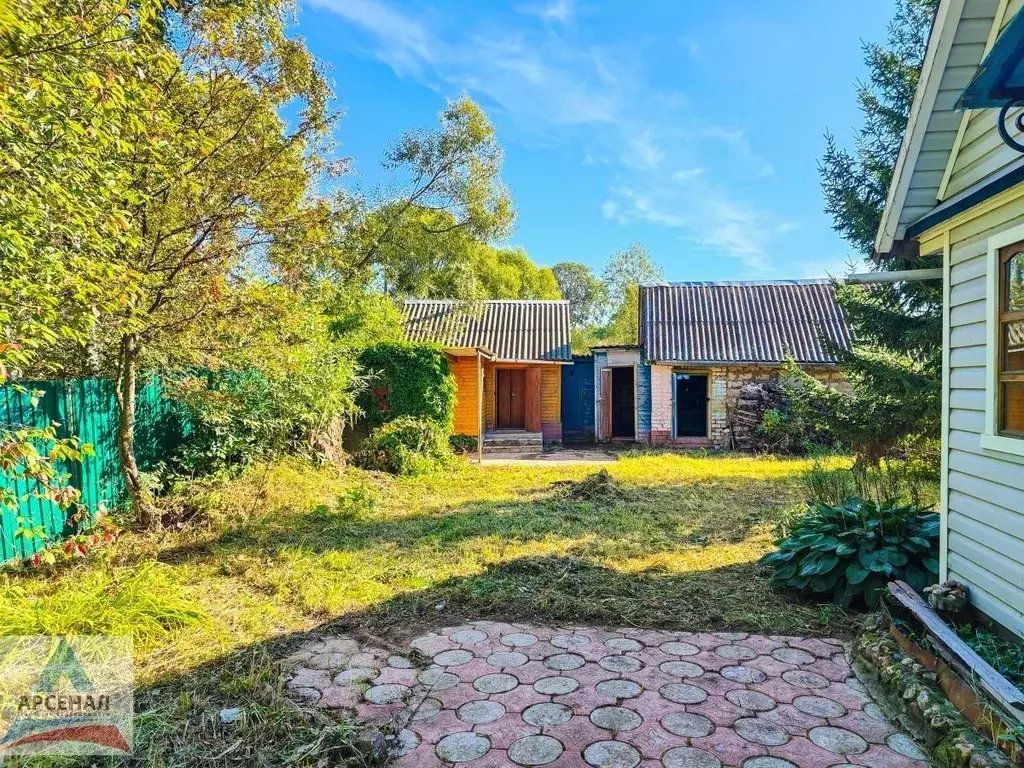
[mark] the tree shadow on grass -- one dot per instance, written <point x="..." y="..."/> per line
<point x="639" y="521"/>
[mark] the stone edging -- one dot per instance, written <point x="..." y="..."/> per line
<point x="912" y="696"/>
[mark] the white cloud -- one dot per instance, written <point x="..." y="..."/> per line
<point x="557" y="10"/>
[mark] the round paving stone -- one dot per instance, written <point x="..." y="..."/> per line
<point x="819" y="706"/>
<point x="906" y="746"/>
<point x="620" y="689"/>
<point x="760" y="731"/>
<point x="564" y="662"/>
<point x="386" y="694"/>
<point x="623" y="644"/>
<point x="616" y="719"/>
<point x="496" y="683"/>
<point x="681" y="669"/>
<point x="468" y="636"/>
<point x="399" y="662"/>
<point x="518" y="639"/>
<point x="462" y="747"/>
<point x="731" y="635"/>
<point x="428" y="709"/>
<point x="768" y="762"/>
<point x="570" y="641"/>
<point x="687" y="724"/>
<point x="405" y="742"/>
<point x="547" y="714"/>
<point x="690" y="757"/>
<point x="745" y="675"/>
<point x="838" y="740"/>
<point x="736" y="652"/>
<point x="555" y="686"/>
<point x="453" y="658"/>
<point x="437" y="679"/>
<point x="535" y="750"/>
<point x="507" y="659"/>
<point x="855" y="684"/>
<point x="683" y="693"/>
<point x="480" y="712"/>
<point x="874" y="711"/>
<point x="620" y="664"/>
<point x="676" y="648"/>
<point x="356" y="675"/>
<point x="611" y="754"/>
<point x="752" y="700"/>
<point x="792" y="656"/>
<point x="801" y="678"/>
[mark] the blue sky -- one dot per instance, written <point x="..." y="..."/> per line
<point x="692" y="127"/>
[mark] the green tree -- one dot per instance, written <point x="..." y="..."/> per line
<point x="75" y="86"/>
<point x="896" y="362"/>
<point x="219" y="200"/>
<point x="452" y="186"/>
<point x="586" y="294"/>
<point x="633" y="266"/>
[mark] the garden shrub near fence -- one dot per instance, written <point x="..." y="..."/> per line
<point x="86" y="409"/>
<point x="407" y="380"/>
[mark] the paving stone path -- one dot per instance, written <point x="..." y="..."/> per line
<point x="494" y="694"/>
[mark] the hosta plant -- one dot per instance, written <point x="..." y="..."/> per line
<point x="851" y="551"/>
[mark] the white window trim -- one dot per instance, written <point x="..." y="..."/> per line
<point x="990" y="439"/>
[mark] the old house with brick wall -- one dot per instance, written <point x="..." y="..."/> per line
<point x="700" y="343"/>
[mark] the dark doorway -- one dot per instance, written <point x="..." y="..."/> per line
<point x="623" y="411"/>
<point x="691" y="405"/>
<point x="511" y="399"/>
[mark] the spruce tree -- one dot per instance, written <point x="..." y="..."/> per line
<point x="895" y="365"/>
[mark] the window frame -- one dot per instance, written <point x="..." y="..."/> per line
<point x="994" y="438"/>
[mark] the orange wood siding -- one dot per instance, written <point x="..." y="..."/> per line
<point x="489" y="404"/>
<point x="551" y="393"/>
<point x="467" y="415"/>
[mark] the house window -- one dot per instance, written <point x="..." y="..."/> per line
<point x="1010" y="335"/>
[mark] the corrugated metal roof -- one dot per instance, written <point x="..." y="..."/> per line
<point x="512" y="330"/>
<point x="741" y="322"/>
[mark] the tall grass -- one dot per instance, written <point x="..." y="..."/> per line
<point x="892" y="480"/>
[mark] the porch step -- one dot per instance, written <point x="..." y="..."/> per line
<point x="512" y="441"/>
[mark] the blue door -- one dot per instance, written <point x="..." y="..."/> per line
<point x="578" y="400"/>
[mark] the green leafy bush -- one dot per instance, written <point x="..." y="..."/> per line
<point x="406" y="379"/>
<point x="851" y="551"/>
<point x="405" y="446"/>
<point x="463" y="444"/>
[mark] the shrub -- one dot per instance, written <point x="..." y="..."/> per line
<point x="851" y="551"/>
<point x="463" y="444"/>
<point x="783" y="431"/>
<point x="407" y="380"/>
<point x="405" y="446"/>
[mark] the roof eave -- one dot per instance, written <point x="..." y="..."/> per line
<point x="940" y="42"/>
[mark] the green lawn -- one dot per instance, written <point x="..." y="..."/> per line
<point x="289" y="548"/>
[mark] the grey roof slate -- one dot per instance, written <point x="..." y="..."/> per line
<point x="741" y="322"/>
<point x="522" y="330"/>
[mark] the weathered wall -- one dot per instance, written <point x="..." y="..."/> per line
<point x="724" y="385"/>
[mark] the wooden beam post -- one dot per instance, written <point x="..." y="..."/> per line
<point x="480" y="408"/>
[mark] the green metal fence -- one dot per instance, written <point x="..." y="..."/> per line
<point x="86" y="409"/>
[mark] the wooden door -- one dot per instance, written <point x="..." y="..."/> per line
<point x="511" y="405"/>
<point x="691" y="405"/>
<point x="606" y="404"/>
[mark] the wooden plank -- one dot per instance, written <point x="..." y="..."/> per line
<point x="606" y="403"/>
<point x="958" y="654"/>
<point x="531" y="396"/>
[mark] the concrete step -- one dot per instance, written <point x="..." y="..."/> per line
<point x="513" y="442"/>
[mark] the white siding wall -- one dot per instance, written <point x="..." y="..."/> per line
<point x="985" y="504"/>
